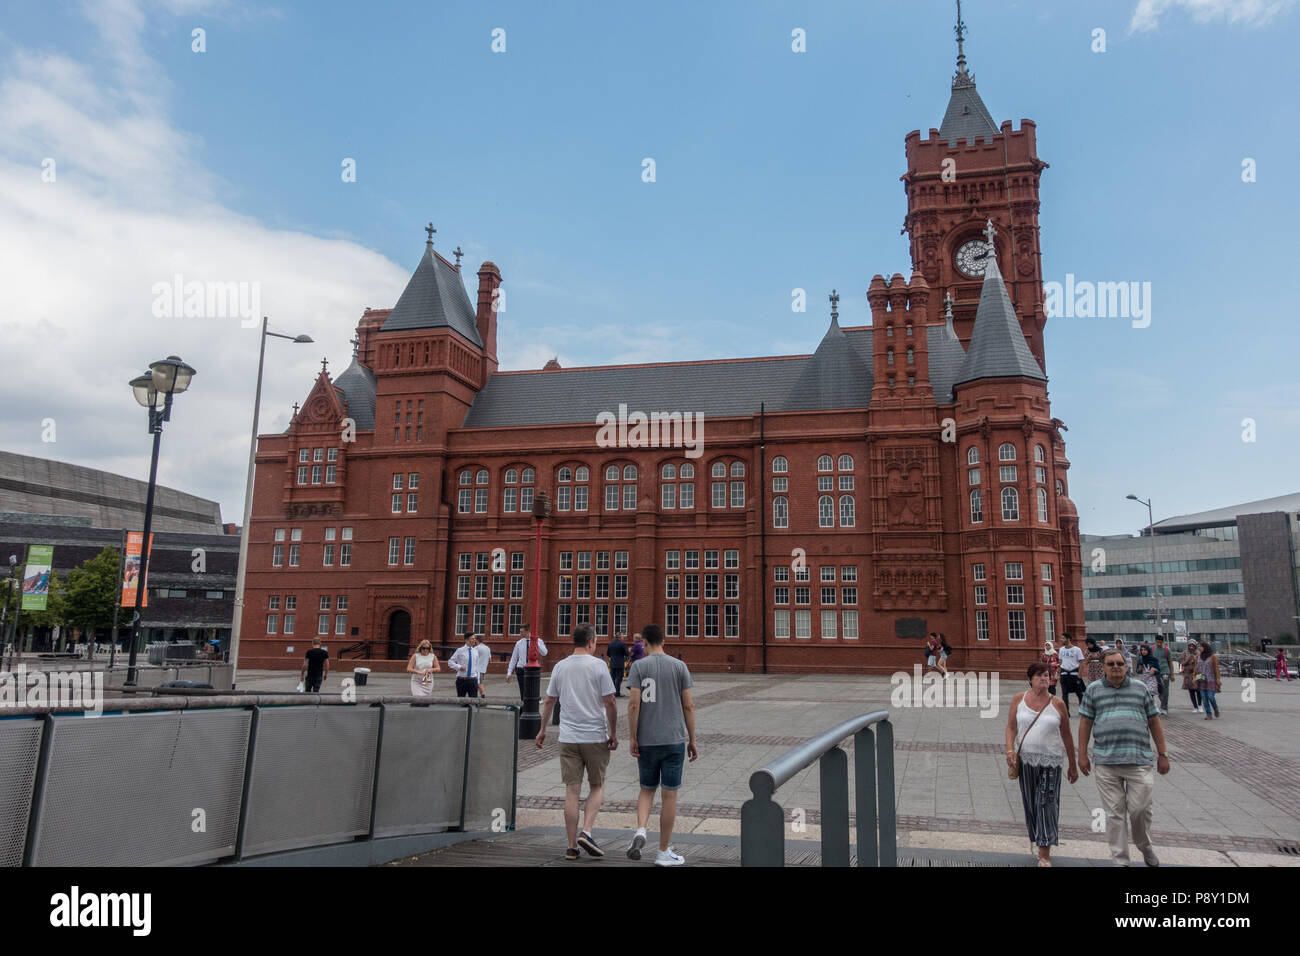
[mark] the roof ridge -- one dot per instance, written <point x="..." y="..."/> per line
<point x="597" y="368"/>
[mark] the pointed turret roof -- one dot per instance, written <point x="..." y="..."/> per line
<point x="945" y="354"/>
<point x="435" y="297"/>
<point x="966" y="117"/>
<point x="357" y="383"/>
<point x="997" y="345"/>
<point x="835" y="376"/>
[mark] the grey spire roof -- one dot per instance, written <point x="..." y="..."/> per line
<point x="997" y="345"/>
<point x="358" y="386"/>
<point x="434" y="298"/>
<point x="945" y="355"/>
<point x="966" y="117"/>
<point x="835" y="376"/>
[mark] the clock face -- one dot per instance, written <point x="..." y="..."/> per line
<point x="973" y="258"/>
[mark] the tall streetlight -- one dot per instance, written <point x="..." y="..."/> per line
<point x="154" y="390"/>
<point x="235" y="625"/>
<point x="15" y="582"/>
<point x="1155" y="568"/>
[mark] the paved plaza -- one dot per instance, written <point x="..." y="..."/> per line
<point x="1231" y="798"/>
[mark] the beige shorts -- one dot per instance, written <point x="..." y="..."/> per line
<point x="574" y="757"/>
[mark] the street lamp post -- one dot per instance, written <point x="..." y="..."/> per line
<point x="15" y="584"/>
<point x="241" y="573"/>
<point x="1155" y="568"/>
<point x="530" y="675"/>
<point x="154" y="390"/>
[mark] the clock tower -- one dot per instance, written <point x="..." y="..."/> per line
<point x="967" y="172"/>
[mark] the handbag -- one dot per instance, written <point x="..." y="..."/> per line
<point x="1014" y="772"/>
<point x="301" y="687"/>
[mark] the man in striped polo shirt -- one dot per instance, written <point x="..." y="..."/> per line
<point x="1126" y="720"/>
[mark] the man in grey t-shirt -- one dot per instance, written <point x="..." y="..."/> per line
<point x="661" y="727"/>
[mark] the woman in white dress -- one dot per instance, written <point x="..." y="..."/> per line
<point x="422" y="666"/>
<point x="1040" y="746"/>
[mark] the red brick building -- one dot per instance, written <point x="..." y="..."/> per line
<point x="906" y="477"/>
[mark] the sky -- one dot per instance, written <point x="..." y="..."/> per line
<point x="136" y="151"/>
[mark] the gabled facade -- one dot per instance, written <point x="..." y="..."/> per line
<point x="906" y="477"/>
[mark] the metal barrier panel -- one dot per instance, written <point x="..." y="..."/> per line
<point x="313" y="777"/>
<point x="421" y="769"/>
<point x="490" y="784"/>
<point x="122" y="790"/>
<point x="20" y="749"/>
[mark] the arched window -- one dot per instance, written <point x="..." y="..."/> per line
<point x="526" y="477"/>
<point x="780" y="513"/>
<point x="911" y="356"/>
<point x="846" y="511"/>
<point x="780" y="466"/>
<point x="611" y="473"/>
<point x="629" y="472"/>
<point x="669" y="471"/>
<point x="512" y="476"/>
<point x="466" y="477"/>
<point x="737" y="469"/>
<point x="565" y="474"/>
<point x="525" y="490"/>
<point x="846" y="462"/>
<point x="824" y="463"/>
<point x="581" y="493"/>
<point x="972" y="455"/>
<point x="1006" y="451"/>
<point x="1010" y="505"/>
<point x="1042" y="504"/>
<point x="889" y="330"/>
<point x="719" y="470"/>
<point x="616" y="493"/>
<point x="687" y="470"/>
<point x="826" y="512"/>
<point x="482" y="477"/>
<point x="976" y="507"/>
<point x="582" y="474"/>
<point x="1039" y="453"/>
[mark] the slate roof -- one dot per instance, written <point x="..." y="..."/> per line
<point x="966" y="117"/>
<point x="835" y="377"/>
<point x="997" y="345"/>
<point x="358" y="386"/>
<point x="435" y="297"/>
<point x="945" y="356"/>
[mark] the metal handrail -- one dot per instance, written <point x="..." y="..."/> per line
<point x="762" y="820"/>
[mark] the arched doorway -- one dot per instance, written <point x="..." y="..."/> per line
<point x="399" y="636"/>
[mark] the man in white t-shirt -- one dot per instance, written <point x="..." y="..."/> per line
<point x="588" y="732"/>
<point x="1071" y="658"/>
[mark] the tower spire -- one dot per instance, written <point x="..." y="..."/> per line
<point x="961" y="78"/>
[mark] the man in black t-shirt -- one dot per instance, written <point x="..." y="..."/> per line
<point x="616" y="654"/>
<point x="315" y="667"/>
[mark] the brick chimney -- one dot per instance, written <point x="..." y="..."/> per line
<point x="489" y="280"/>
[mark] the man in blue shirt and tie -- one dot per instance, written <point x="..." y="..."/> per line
<point x="462" y="662"/>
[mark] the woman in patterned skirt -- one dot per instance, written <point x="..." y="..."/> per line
<point x="1038" y="737"/>
<point x="1092" y="659"/>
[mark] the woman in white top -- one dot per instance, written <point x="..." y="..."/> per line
<point x="1038" y="735"/>
<point x="422" y="666"/>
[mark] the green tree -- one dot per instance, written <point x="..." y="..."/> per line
<point x="90" y="594"/>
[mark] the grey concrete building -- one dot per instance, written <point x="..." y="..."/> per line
<point x="38" y="486"/>
<point x="1229" y="575"/>
<point x="81" y="511"/>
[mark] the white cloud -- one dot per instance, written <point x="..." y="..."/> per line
<point x="1250" y="13"/>
<point x="131" y="206"/>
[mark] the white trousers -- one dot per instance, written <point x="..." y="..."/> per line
<point x="1127" y="795"/>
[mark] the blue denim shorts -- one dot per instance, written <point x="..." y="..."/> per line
<point x="661" y="766"/>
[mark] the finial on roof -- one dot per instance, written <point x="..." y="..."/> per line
<point x="459" y="255"/>
<point x="989" y="233"/>
<point x="295" y="409"/>
<point x="960" y="30"/>
<point x="430" y="230"/>
<point x="356" y="345"/>
<point x="947" y="306"/>
<point x="324" y="366"/>
<point x="835" y="305"/>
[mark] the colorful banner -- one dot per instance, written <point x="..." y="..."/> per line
<point x="131" y="575"/>
<point x="36" y="577"/>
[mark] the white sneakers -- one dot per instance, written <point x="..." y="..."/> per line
<point x="638" y="841"/>
<point x="668" y="858"/>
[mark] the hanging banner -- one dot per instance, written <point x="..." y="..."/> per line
<point x="36" y="578"/>
<point x="131" y="574"/>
